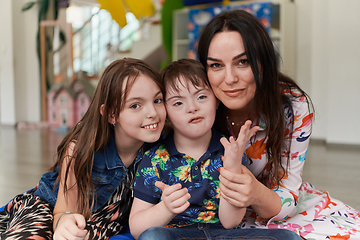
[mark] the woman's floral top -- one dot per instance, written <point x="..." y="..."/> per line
<point x="310" y="212"/>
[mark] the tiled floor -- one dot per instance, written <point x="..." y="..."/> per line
<point x="26" y="154"/>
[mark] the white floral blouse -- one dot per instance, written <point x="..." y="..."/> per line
<point x="311" y="213"/>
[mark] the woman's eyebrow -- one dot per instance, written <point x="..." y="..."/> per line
<point x="234" y="58"/>
<point x="239" y="56"/>
<point x="213" y="59"/>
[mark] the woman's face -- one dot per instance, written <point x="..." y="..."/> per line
<point x="229" y="71"/>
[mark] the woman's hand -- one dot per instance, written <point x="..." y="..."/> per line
<point x="239" y="189"/>
<point x="72" y="227"/>
<point x="175" y="197"/>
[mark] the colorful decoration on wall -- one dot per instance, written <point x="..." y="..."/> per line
<point x="199" y="17"/>
<point x="118" y="9"/>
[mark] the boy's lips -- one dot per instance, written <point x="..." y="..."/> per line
<point x="196" y="120"/>
<point x="153" y="126"/>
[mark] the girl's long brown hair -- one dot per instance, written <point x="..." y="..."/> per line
<point x="94" y="130"/>
<point x="268" y="99"/>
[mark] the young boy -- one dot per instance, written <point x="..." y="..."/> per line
<point x="177" y="183"/>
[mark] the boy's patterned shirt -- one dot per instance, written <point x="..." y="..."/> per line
<point x="201" y="178"/>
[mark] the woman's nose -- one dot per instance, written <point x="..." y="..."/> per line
<point x="230" y="76"/>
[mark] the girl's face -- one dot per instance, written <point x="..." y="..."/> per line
<point x="229" y="71"/>
<point x="143" y="116"/>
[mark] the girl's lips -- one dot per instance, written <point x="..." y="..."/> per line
<point x="153" y="126"/>
<point x="196" y="120"/>
<point x="233" y="93"/>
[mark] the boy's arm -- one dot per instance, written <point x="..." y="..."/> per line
<point x="231" y="215"/>
<point x="145" y="215"/>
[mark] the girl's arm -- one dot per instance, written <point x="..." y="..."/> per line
<point x="67" y="223"/>
<point x="145" y="215"/>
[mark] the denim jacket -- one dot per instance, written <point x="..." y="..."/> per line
<point x="107" y="173"/>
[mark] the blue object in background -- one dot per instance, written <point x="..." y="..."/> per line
<point x="199" y="17"/>
<point x="196" y="2"/>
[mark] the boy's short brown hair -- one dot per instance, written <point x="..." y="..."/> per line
<point x="188" y="69"/>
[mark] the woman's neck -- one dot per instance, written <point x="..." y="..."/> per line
<point x="237" y="118"/>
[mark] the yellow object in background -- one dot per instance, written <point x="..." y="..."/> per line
<point x="118" y="9"/>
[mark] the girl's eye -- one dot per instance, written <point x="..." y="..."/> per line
<point x="159" y="100"/>
<point x="135" y="106"/>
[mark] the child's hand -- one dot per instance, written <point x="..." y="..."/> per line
<point x="175" y="197"/>
<point x="234" y="149"/>
<point x="71" y="226"/>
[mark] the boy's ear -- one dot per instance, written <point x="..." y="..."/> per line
<point x="111" y="118"/>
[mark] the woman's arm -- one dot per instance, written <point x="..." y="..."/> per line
<point x="277" y="203"/>
<point x="145" y="215"/>
<point x="67" y="222"/>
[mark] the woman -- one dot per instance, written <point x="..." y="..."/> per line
<point x="242" y="68"/>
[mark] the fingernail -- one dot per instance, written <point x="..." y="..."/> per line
<point x="219" y="169"/>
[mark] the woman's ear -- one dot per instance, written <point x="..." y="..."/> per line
<point x="111" y="117"/>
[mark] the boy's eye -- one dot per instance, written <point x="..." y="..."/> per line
<point x="177" y="103"/>
<point x="135" y="106"/>
<point x="202" y="97"/>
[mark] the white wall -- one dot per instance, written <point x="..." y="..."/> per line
<point x="328" y="64"/>
<point x="19" y="68"/>
<point x="7" y="85"/>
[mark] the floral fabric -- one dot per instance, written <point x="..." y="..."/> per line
<point x="310" y="212"/>
<point x="201" y="178"/>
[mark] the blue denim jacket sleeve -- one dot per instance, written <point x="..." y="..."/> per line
<point x="108" y="172"/>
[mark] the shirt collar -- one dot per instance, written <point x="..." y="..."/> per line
<point x="215" y="144"/>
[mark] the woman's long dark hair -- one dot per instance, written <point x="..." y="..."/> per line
<point x="94" y="130"/>
<point x="268" y="99"/>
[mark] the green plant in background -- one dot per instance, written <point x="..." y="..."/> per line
<point x="48" y="10"/>
<point x="166" y="20"/>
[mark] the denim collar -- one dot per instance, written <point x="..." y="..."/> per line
<point x="215" y="144"/>
<point x="110" y="156"/>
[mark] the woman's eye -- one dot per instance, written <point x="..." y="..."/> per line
<point x="135" y="106"/>
<point x="215" y="65"/>
<point x="243" y="62"/>
<point x="159" y="100"/>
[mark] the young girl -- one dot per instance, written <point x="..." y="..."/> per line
<point x="88" y="191"/>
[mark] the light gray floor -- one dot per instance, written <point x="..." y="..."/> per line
<point x="26" y="154"/>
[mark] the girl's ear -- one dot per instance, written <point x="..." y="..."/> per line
<point x="111" y="117"/>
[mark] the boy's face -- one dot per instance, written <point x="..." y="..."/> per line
<point x="191" y="110"/>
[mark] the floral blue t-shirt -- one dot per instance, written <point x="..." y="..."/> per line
<point x="164" y="163"/>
